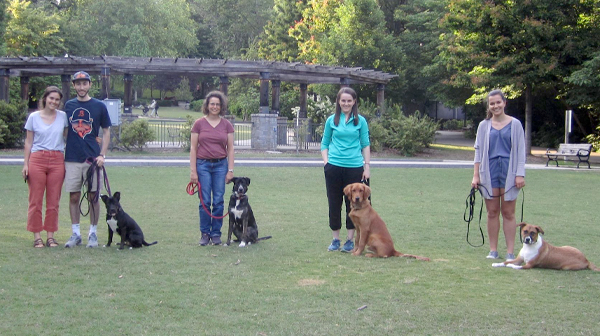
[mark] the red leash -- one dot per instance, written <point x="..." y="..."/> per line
<point x="193" y="188"/>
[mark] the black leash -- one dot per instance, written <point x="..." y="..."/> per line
<point x="89" y="185"/>
<point x="470" y="207"/>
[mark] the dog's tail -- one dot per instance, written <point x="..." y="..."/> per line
<point x="148" y="244"/>
<point x="264" y="238"/>
<point x="399" y="254"/>
<point x="593" y="267"/>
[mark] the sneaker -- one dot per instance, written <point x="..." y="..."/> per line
<point x="335" y="245"/>
<point x="216" y="240"/>
<point x="510" y="256"/>
<point x="205" y="239"/>
<point x="92" y="241"/>
<point x="73" y="241"/>
<point x="493" y="255"/>
<point x="348" y="246"/>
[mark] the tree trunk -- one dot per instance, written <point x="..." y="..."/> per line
<point x="528" y="121"/>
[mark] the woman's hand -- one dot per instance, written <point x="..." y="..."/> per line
<point x="194" y="177"/>
<point x="366" y="172"/>
<point x="519" y="182"/>
<point x="228" y="177"/>
<point x="475" y="182"/>
<point x="25" y="172"/>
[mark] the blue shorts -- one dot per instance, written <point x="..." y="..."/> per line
<point x="498" y="171"/>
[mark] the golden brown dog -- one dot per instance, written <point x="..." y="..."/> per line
<point x="537" y="253"/>
<point x="371" y="231"/>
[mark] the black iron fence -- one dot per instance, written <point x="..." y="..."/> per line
<point x="174" y="133"/>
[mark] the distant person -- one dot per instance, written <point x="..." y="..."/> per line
<point x="152" y="108"/>
<point x="211" y="164"/>
<point x="346" y="153"/>
<point x="44" y="165"/>
<point x="86" y="116"/>
<point x="499" y="170"/>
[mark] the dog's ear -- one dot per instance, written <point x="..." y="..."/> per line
<point x="117" y="196"/>
<point x="104" y="198"/>
<point x="522" y="224"/>
<point x="539" y="229"/>
<point x="366" y="191"/>
<point x="348" y="190"/>
<point x="248" y="180"/>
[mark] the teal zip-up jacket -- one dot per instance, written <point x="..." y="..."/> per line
<point x="345" y="141"/>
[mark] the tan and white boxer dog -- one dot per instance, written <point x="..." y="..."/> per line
<point x="537" y="253"/>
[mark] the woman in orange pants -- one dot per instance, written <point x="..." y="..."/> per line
<point x="44" y="165"/>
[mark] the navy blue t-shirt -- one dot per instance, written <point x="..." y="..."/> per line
<point x="85" y="120"/>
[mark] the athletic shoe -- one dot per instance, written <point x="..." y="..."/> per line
<point x="335" y="245"/>
<point x="348" y="246"/>
<point x="73" y="241"/>
<point x="493" y="255"/>
<point x="216" y="240"/>
<point x="510" y="256"/>
<point x="205" y="239"/>
<point x="92" y="241"/>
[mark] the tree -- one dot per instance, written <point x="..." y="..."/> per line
<point x="160" y="28"/>
<point x="517" y="46"/>
<point x="275" y="42"/>
<point x="233" y="24"/>
<point x="3" y="19"/>
<point x="32" y="31"/>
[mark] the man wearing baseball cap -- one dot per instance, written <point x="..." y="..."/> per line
<point x="86" y="116"/>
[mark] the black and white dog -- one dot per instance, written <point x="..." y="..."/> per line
<point x="119" y="221"/>
<point x="241" y="218"/>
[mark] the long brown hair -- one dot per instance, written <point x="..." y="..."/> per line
<point x="47" y="92"/>
<point x="215" y="94"/>
<point x="338" y="108"/>
<point x="488" y="115"/>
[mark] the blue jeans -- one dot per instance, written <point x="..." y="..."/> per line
<point x="211" y="176"/>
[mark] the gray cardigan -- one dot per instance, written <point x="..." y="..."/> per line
<point x="516" y="163"/>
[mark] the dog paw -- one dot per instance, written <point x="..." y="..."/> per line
<point x="513" y="266"/>
<point x="243" y="244"/>
<point x="225" y="244"/>
<point x="498" y="265"/>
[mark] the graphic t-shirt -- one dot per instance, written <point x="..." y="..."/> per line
<point x="85" y="120"/>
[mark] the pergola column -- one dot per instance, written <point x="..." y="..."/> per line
<point x="5" y="85"/>
<point x="264" y="92"/>
<point x="303" y="103"/>
<point x="25" y="89"/>
<point x="128" y="88"/>
<point x="344" y="82"/>
<point x="275" y="90"/>
<point x="224" y="84"/>
<point x="105" y="78"/>
<point x="380" y="99"/>
<point x="65" y="80"/>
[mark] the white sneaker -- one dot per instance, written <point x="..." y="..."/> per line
<point x="92" y="241"/>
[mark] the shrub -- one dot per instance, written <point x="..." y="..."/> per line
<point x="451" y="124"/>
<point x="135" y="135"/>
<point x="3" y="131"/>
<point x="186" y="132"/>
<point x="166" y="103"/>
<point x="409" y="135"/>
<point x="594" y="139"/>
<point x="196" y="105"/>
<point x="13" y="116"/>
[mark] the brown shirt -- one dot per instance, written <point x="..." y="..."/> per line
<point x="212" y="141"/>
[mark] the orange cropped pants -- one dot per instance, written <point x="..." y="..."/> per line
<point x="46" y="175"/>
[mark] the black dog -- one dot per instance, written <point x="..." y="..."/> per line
<point x="241" y="218"/>
<point x="126" y="227"/>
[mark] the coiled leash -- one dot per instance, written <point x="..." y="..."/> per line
<point x="89" y="184"/>
<point x="193" y="188"/>
<point x="470" y="207"/>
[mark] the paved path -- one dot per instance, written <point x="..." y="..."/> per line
<point x="442" y="137"/>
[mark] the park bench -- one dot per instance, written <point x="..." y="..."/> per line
<point x="581" y="151"/>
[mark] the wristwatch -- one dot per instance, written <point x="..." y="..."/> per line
<point x="230" y="170"/>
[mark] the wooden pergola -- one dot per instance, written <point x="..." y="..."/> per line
<point x="265" y="71"/>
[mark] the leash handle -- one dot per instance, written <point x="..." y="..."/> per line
<point x="193" y="188"/>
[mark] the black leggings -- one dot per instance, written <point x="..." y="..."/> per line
<point x="336" y="178"/>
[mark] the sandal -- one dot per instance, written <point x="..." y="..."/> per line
<point x="51" y="242"/>
<point x="38" y="243"/>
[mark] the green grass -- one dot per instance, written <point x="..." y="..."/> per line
<point x="290" y="285"/>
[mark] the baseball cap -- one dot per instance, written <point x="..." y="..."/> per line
<point x="81" y="75"/>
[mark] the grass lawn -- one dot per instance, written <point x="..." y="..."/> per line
<point x="290" y="284"/>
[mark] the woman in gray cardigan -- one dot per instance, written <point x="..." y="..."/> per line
<point x="499" y="170"/>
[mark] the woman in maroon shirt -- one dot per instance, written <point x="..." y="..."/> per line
<point x="211" y="163"/>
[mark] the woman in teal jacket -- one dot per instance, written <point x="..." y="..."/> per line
<point x="346" y="153"/>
